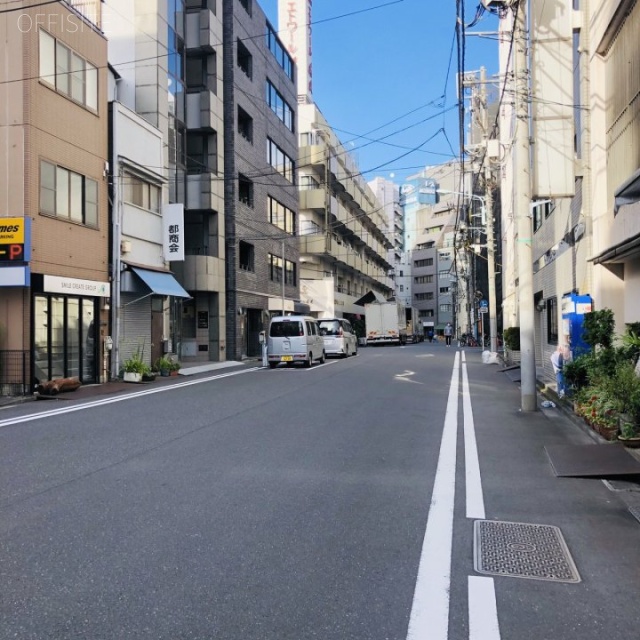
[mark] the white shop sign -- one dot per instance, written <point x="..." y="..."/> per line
<point x="75" y="286"/>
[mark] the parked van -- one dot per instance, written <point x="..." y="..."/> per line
<point x="294" y="339"/>
<point x="339" y="337"/>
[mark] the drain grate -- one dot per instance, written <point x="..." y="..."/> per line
<point x="521" y="550"/>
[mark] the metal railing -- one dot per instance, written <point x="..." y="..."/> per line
<point x="14" y="367"/>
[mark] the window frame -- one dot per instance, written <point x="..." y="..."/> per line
<point x="77" y="79"/>
<point x="66" y="197"/>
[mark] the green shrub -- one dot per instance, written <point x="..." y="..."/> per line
<point x="599" y="328"/>
<point x="511" y="337"/>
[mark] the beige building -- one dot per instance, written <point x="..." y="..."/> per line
<point x="613" y="48"/>
<point x="53" y="195"/>
<point x="345" y="237"/>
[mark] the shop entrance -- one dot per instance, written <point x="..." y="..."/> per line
<point x="65" y="338"/>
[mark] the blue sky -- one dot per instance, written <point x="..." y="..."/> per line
<point x="393" y="63"/>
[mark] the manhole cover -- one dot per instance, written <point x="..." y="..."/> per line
<point x="520" y="550"/>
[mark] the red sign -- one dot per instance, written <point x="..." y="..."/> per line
<point x="10" y="252"/>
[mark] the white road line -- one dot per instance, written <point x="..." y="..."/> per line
<point x="473" y="481"/>
<point x="483" y="612"/>
<point x="111" y="400"/>
<point x="430" y="608"/>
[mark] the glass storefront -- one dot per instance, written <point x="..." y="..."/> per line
<point x="64" y="343"/>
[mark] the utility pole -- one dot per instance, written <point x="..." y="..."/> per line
<point x="522" y="204"/>
<point x="491" y="262"/>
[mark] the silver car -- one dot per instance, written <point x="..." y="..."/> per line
<point x="339" y="337"/>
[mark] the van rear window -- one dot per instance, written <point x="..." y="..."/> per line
<point x="286" y="329"/>
<point x="329" y="328"/>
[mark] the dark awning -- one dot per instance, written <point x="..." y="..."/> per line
<point x="161" y="283"/>
<point x="628" y="192"/>
<point x="629" y="249"/>
<point x="371" y="296"/>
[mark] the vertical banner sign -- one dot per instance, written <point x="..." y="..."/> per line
<point x="173" y="232"/>
<point x="295" y="16"/>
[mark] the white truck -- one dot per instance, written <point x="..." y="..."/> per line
<point x="386" y="322"/>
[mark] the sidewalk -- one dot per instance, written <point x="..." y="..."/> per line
<point x="89" y="391"/>
<point x="626" y="489"/>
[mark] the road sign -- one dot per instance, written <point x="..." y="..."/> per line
<point x="483" y="304"/>
<point x="483" y="310"/>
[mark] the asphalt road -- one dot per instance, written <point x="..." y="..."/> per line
<point x="334" y="503"/>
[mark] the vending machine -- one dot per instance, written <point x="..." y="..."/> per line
<point x="574" y="307"/>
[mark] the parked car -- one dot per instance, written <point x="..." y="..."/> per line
<point x="294" y="339"/>
<point x="339" y="337"/>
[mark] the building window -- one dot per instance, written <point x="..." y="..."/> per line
<point x="245" y="190"/>
<point x="280" y="106"/>
<point x="247" y="6"/>
<point x="445" y="308"/>
<point x="140" y="193"/>
<point x="541" y="212"/>
<point x="245" y="61"/>
<point x="201" y="233"/>
<point x="290" y="276"/>
<point x="279" y="53"/>
<point x="401" y="288"/>
<point x="423" y="279"/>
<point x="201" y="152"/>
<point x="429" y="313"/>
<point x="196" y="72"/>
<point x="427" y="262"/>
<point x="444" y="289"/>
<point x="307" y="183"/>
<point x="246" y="256"/>
<point x="280" y="161"/>
<point x="552" y="320"/>
<point x="245" y="125"/>
<point x="69" y="73"/>
<point x="444" y="275"/>
<point x="275" y="268"/>
<point x="69" y="195"/>
<point x="281" y="216"/>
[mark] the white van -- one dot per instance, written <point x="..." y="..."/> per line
<point x="339" y="337"/>
<point x="294" y="339"/>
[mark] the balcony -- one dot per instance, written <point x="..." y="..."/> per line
<point x="202" y="273"/>
<point x="312" y="199"/>
<point x="313" y="155"/>
<point x="204" y="31"/>
<point x="204" y="191"/>
<point x="311" y="244"/>
<point x="203" y="112"/>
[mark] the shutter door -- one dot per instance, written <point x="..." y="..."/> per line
<point x="135" y="327"/>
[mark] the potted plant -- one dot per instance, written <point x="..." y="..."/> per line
<point x="175" y="367"/>
<point x="134" y="369"/>
<point x="163" y="365"/>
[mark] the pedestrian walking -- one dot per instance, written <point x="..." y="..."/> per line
<point x="430" y="335"/>
<point x="448" y="333"/>
<point x="558" y="359"/>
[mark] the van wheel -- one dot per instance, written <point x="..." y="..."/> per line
<point x="355" y="349"/>
<point x="322" y="358"/>
<point x="309" y="362"/>
<point x="273" y="365"/>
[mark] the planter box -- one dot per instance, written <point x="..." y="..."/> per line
<point x="132" y="377"/>
<point x="511" y="356"/>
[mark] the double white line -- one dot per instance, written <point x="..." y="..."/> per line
<point x="430" y="610"/>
